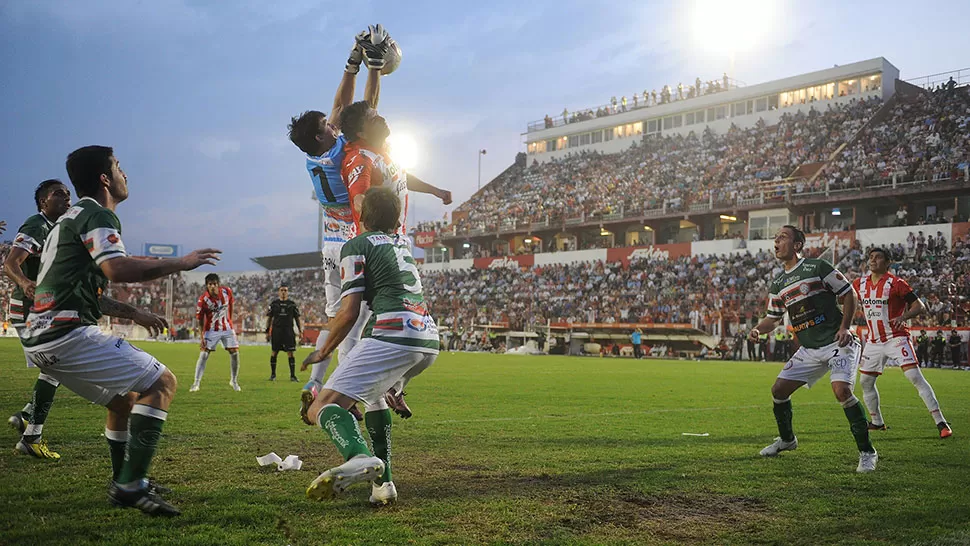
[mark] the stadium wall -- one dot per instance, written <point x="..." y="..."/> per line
<point x="838" y="239"/>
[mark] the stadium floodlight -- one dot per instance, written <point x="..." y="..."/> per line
<point x="647" y="228"/>
<point x="404" y="150"/>
<point x="729" y="218"/>
<point x="732" y="26"/>
<point x="466" y="245"/>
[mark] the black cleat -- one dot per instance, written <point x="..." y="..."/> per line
<point x="294" y="379"/>
<point x="356" y="413"/>
<point x="272" y="377"/>
<point x="147" y="500"/>
<point x="873" y="426"/>
<point x="397" y="403"/>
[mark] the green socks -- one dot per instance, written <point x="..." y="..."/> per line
<point x="379" y="428"/>
<point x="783" y="418"/>
<point x="342" y="428"/>
<point x="858" y="424"/>
<point x="145" y="429"/>
<point x="117" y="441"/>
<point x="41" y="403"/>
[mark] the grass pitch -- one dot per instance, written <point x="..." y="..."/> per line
<point x="509" y="449"/>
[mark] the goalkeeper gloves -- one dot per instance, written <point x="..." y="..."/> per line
<point x="374" y="45"/>
<point x="356" y="54"/>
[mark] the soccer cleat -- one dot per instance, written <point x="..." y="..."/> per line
<point x="306" y="399"/>
<point x="37" y="450"/>
<point x="147" y="500"/>
<point x="194" y="387"/>
<point x="235" y="386"/>
<point x="945" y="430"/>
<point x="294" y="379"/>
<point x="383" y="494"/>
<point x="778" y="446"/>
<point x="356" y="413"/>
<point x="272" y="377"/>
<point x="867" y="461"/>
<point x="336" y="480"/>
<point x="17" y="422"/>
<point x="157" y="487"/>
<point x="397" y="403"/>
<point x="873" y="426"/>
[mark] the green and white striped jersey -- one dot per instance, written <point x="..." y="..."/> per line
<point x="809" y="293"/>
<point x="381" y="266"/>
<point x="70" y="281"/>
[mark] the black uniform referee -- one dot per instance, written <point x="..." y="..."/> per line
<point x="279" y="330"/>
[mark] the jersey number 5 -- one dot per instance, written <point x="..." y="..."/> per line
<point x="408" y="267"/>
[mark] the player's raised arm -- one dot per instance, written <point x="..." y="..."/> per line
<point x="374" y="46"/>
<point x="348" y="82"/>
<point x="420" y="186"/>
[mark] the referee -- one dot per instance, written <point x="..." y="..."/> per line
<point x="279" y="330"/>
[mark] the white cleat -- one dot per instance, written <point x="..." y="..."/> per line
<point x="778" y="446"/>
<point x="336" y="480"/>
<point x="194" y="387"/>
<point x="867" y="461"/>
<point x="383" y="494"/>
<point x="235" y="386"/>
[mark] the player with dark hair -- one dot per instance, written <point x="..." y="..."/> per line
<point x="809" y="290"/>
<point x="320" y="139"/>
<point x="84" y="251"/>
<point x="52" y="199"/>
<point x="214" y="313"/>
<point x="399" y="342"/>
<point x="887" y="302"/>
<point x="283" y="312"/>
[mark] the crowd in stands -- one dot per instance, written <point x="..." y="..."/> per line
<point x="667" y="94"/>
<point x="674" y="170"/>
<point x="925" y="137"/>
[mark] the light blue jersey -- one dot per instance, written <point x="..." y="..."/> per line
<point x="325" y="174"/>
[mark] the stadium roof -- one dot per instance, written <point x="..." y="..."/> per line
<point x="302" y="260"/>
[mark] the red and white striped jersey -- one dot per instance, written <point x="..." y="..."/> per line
<point x="883" y="301"/>
<point x="215" y="313"/>
<point x="365" y="167"/>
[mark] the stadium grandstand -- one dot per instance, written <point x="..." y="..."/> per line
<point x="659" y="216"/>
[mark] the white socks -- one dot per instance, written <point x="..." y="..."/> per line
<point x="233" y="366"/>
<point x="925" y="391"/>
<point x="871" y="397"/>
<point x="200" y="366"/>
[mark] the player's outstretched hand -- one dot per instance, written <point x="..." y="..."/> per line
<point x="356" y="54"/>
<point x="754" y="334"/>
<point x="897" y="323"/>
<point x="844" y="337"/>
<point x="151" y="322"/>
<point x="29" y="289"/>
<point x="203" y="256"/>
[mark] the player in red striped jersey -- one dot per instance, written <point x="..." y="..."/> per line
<point x="214" y="312"/>
<point x="887" y="303"/>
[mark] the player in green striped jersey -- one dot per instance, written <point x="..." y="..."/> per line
<point x="399" y="342"/>
<point x="22" y="264"/>
<point x="809" y="290"/>
<point x="82" y="253"/>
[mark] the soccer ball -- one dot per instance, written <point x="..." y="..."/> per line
<point x="393" y="58"/>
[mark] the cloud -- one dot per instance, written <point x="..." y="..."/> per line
<point x="215" y="148"/>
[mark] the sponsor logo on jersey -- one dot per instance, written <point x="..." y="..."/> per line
<point x="414" y="307"/>
<point x="113" y="239"/>
<point x="809" y="323"/>
<point x="354" y="175"/>
<point x="875" y="301"/>
<point x="379" y="239"/>
<point x="804" y="288"/>
<point x="70" y="214"/>
<point x="417" y="325"/>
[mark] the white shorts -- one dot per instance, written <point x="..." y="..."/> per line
<point x="810" y="365"/>
<point x="372" y="367"/>
<point x="227" y="337"/>
<point x="898" y="350"/>
<point x="331" y="276"/>
<point x="95" y="365"/>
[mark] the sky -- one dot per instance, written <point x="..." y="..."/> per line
<point x="194" y="96"/>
